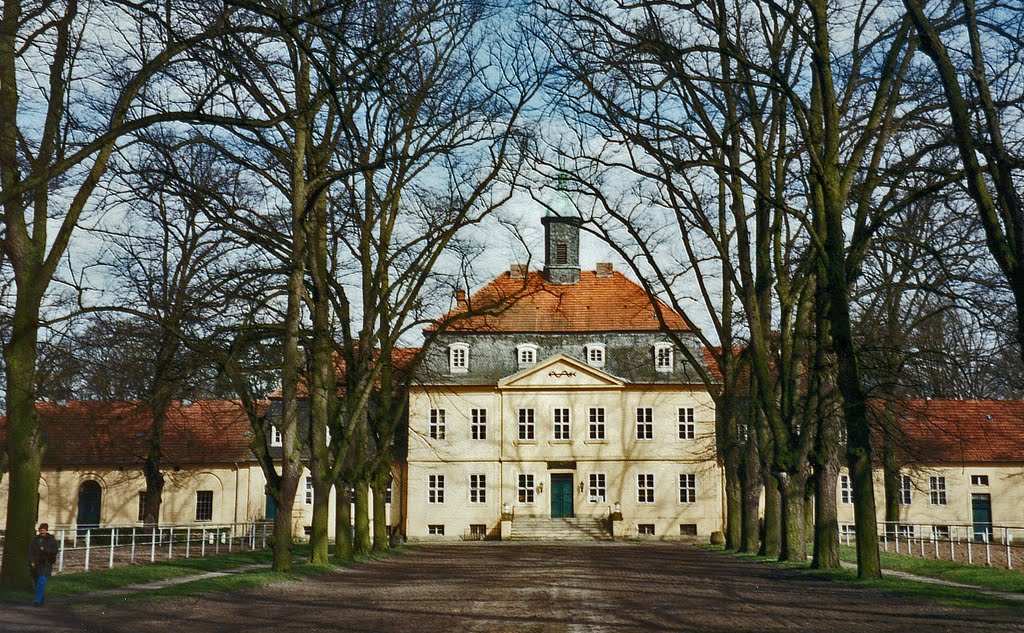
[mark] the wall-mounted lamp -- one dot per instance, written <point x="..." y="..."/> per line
<point x="581" y="486"/>
<point x="506" y="507"/>
<point x="618" y="508"/>
<point x="540" y="487"/>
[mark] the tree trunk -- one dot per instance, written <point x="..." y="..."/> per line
<point x="343" y="546"/>
<point x="362" y="530"/>
<point x="733" y="499"/>
<point x="319" y="547"/>
<point x="791" y="491"/>
<point x="284" y="505"/>
<point x="24" y="444"/>
<point x="380" y="517"/>
<point x="154" y="491"/>
<point x="771" y="542"/>
<point x="753" y="487"/>
<point x="826" y="522"/>
<point x="890" y="485"/>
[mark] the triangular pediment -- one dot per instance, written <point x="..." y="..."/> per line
<point x="560" y="372"/>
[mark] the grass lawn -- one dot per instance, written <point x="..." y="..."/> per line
<point x="951" y="596"/>
<point x="71" y="585"/>
<point x="991" y="577"/>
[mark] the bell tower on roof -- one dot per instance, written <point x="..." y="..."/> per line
<point x="561" y="249"/>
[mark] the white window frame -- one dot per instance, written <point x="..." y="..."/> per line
<point x="526" y="355"/>
<point x="526" y="429"/>
<point x="309" y="491"/>
<point x="458" y="358"/>
<point x="597" y="488"/>
<point x="276" y="438"/>
<point x="687" y="488"/>
<point x="644" y="424"/>
<point x="477" y="488"/>
<point x="906" y="495"/>
<point x="937" y="490"/>
<point x="596" y="424"/>
<point x="687" y="429"/>
<point x="435" y="529"/>
<point x="526" y="489"/>
<point x="436" y="428"/>
<point x="979" y="480"/>
<point x="845" y="490"/>
<point x="645" y="488"/>
<point x="664" y="357"/>
<point x="596" y="354"/>
<point x="478" y="424"/>
<point x="435" y="489"/>
<point x="561" y="424"/>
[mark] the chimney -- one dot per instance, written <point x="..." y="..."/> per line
<point x="604" y="269"/>
<point x="561" y="249"/>
<point x="517" y="271"/>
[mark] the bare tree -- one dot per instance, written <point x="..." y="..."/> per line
<point x="86" y="87"/>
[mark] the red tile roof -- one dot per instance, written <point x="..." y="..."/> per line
<point x="117" y="433"/>
<point x="593" y="304"/>
<point x="961" y="430"/>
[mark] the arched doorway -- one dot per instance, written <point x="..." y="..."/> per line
<point x="89" y="499"/>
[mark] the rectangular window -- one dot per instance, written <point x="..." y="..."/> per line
<point x="435" y="489"/>
<point x="645" y="488"/>
<point x="478" y="424"/>
<point x="595" y="430"/>
<point x="277" y="439"/>
<point x="906" y="490"/>
<point x="435" y="530"/>
<point x="437" y="426"/>
<point x="687" y="529"/>
<point x="645" y="529"/>
<point x="478" y="531"/>
<point x="687" y="426"/>
<point x="905" y="531"/>
<point x="478" y="488"/>
<point x="687" y="488"/>
<point x="848" y="532"/>
<point x="845" y="490"/>
<point x="309" y="491"/>
<point x="645" y="423"/>
<point x="526" y="425"/>
<point x="142" y="506"/>
<point x="204" y="505"/>
<point x="940" y="532"/>
<point x="979" y="480"/>
<point x="663" y="357"/>
<point x="526" y="489"/>
<point x="561" y="423"/>
<point x="937" y="491"/>
<point x="387" y="491"/>
<point x="598" y="490"/>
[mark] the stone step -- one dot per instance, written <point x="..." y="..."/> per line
<point x="564" y="529"/>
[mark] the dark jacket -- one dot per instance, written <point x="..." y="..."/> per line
<point x="44" y="554"/>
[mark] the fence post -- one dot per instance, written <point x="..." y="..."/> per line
<point x="152" y="544"/>
<point x="60" y="554"/>
<point x="988" y="549"/>
<point x="1006" y="544"/>
<point x="133" y="546"/>
<point x="885" y="538"/>
<point x="202" y="549"/>
<point x="188" y="541"/>
<point x="170" y="543"/>
<point x="920" y="540"/>
<point x="264" y="536"/>
<point x="88" y="542"/>
<point x="113" y="543"/>
<point x="970" y="554"/>
<point x="952" y="549"/>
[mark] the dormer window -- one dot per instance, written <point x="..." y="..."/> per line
<point x="526" y="355"/>
<point x="276" y="438"/>
<point x="595" y="354"/>
<point x="458" y="358"/>
<point x="663" y="359"/>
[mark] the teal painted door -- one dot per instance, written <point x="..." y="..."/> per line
<point x="981" y="513"/>
<point x="561" y="496"/>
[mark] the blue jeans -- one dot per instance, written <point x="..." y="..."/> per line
<point x="40" y="589"/>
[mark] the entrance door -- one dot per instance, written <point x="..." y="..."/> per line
<point x="561" y="496"/>
<point x="271" y="510"/>
<point x="981" y="513"/>
<point x="89" y="497"/>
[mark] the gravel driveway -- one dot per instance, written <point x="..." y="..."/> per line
<point x="543" y="587"/>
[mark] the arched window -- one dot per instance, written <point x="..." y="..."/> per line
<point x="526" y="355"/>
<point x="458" y="358"/>
<point x="595" y="354"/>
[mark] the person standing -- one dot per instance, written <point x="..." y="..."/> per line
<point x="44" y="555"/>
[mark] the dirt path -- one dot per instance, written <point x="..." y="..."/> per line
<point x="497" y="587"/>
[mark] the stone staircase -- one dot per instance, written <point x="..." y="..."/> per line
<point x="565" y="529"/>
